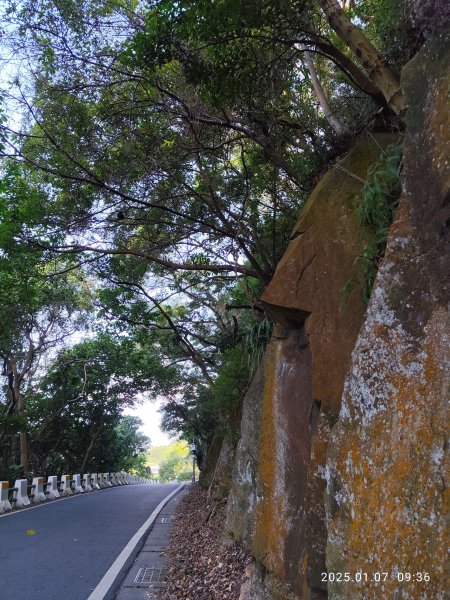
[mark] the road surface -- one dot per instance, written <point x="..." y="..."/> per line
<point x="62" y="549"/>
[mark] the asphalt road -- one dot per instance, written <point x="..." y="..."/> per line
<point x="75" y="542"/>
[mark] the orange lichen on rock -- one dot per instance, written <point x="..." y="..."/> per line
<point x="310" y="281"/>
<point x="266" y="545"/>
<point x="387" y="498"/>
<point x="279" y="479"/>
<point x="283" y="436"/>
<point x="387" y="491"/>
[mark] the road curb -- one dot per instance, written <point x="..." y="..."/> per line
<point x="106" y="587"/>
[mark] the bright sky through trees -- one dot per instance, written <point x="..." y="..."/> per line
<point x="149" y="189"/>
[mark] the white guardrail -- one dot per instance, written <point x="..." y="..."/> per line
<point x="24" y="494"/>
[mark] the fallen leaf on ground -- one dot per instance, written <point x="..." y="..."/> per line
<point x="203" y="565"/>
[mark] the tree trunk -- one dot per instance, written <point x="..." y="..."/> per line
<point x="95" y="435"/>
<point x="23" y="435"/>
<point x="19" y="402"/>
<point x="87" y="456"/>
<point x="24" y="458"/>
<point x="339" y="128"/>
<point x="373" y="62"/>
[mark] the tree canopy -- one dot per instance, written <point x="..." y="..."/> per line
<point x="154" y="159"/>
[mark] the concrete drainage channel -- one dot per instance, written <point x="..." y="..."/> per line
<point x="147" y="574"/>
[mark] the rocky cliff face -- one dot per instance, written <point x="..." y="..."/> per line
<point x="387" y="487"/>
<point x="340" y="463"/>
<point x="276" y="505"/>
<point x="216" y="469"/>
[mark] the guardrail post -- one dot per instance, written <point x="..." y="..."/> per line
<point x="52" y="487"/>
<point x="66" y="487"/>
<point x="87" y="482"/>
<point x="38" y="486"/>
<point x="55" y="489"/>
<point x="20" y="493"/>
<point x="5" y="504"/>
<point x="77" y="488"/>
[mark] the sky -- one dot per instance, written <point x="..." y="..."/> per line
<point x="148" y="413"/>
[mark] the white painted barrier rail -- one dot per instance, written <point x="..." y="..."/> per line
<point x="66" y="485"/>
<point x="5" y="504"/>
<point x="87" y="482"/>
<point x="23" y="494"/>
<point x="38" y="490"/>
<point x="77" y="487"/>
<point x="52" y="487"/>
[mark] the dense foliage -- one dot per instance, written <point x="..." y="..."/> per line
<point x="155" y="156"/>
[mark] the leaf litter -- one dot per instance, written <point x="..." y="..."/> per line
<point x="202" y="563"/>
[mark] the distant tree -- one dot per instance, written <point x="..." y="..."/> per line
<point x="175" y="467"/>
<point x="76" y="415"/>
<point x="123" y="448"/>
<point x="37" y="311"/>
<point x="173" y="461"/>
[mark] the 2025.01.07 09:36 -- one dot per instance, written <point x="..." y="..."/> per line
<point x="363" y="577"/>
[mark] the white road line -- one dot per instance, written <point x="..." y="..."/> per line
<point x="110" y="576"/>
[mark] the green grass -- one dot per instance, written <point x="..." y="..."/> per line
<point x="256" y="341"/>
<point x="376" y="213"/>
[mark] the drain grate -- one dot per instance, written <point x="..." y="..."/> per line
<point x="149" y="575"/>
<point x="167" y="519"/>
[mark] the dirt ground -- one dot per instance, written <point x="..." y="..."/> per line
<point x="202" y="564"/>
